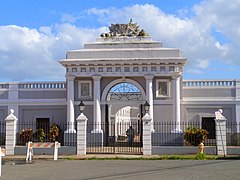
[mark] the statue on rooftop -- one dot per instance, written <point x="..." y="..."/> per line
<point x="130" y="29"/>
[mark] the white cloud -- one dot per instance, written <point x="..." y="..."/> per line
<point x="193" y="35"/>
<point x="29" y="54"/>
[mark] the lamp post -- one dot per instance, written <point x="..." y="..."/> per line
<point x="146" y="107"/>
<point x="81" y="107"/>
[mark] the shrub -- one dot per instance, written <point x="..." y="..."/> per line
<point x="195" y="135"/>
<point x="54" y="132"/>
<point x="40" y="135"/>
<point x="26" y="135"/>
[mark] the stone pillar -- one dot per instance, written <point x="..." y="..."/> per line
<point x="147" y="135"/>
<point x="97" y="106"/>
<point x="70" y="104"/>
<point x="81" y="134"/>
<point x="11" y="129"/>
<point x="70" y="133"/>
<point x="176" y="103"/>
<point x="96" y="136"/>
<point x="149" y="97"/>
<point x="221" y="141"/>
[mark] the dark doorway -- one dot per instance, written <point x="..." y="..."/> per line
<point x="208" y="123"/>
<point x="43" y="123"/>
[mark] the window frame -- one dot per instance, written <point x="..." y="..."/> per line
<point x="157" y="88"/>
<point x="80" y="89"/>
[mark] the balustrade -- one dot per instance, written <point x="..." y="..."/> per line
<point x="209" y="83"/>
<point x="43" y="85"/>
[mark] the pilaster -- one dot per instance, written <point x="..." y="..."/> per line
<point x="70" y="104"/>
<point x="96" y="106"/>
<point x="176" y="102"/>
<point x="238" y="101"/>
<point x="149" y="96"/>
<point x="70" y="133"/>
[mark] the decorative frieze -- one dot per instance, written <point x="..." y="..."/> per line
<point x="126" y="68"/>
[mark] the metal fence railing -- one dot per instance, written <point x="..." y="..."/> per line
<point x="233" y="133"/>
<point x="114" y="135"/>
<point x="2" y="133"/>
<point x="176" y="134"/>
<point x="44" y="132"/>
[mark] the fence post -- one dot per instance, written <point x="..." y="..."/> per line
<point x="221" y="140"/>
<point x="147" y="135"/>
<point x="81" y="134"/>
<point x="11" y="127"/>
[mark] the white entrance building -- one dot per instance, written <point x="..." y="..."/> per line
<point x="124" y="55"/>
<point x="114" y="77"/>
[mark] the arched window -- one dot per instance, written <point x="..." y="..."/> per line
<point x="124" y="92"/>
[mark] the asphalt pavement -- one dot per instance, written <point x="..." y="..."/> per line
<point x="63" y="169"/>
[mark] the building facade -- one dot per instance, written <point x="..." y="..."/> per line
<point x="114" y="77"/>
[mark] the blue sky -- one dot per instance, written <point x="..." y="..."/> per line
<point x="34" y="35"/>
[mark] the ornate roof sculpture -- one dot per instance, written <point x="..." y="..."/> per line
<point x="130" y="29"/>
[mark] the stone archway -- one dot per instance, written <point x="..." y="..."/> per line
<point x="123" y="99"/>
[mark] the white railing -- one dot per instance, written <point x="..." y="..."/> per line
<point x="4" y="85"/>
<point x="42" y="85"/>
<point x="209" y="83"/>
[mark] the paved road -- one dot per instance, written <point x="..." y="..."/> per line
<point x="123" y="169"/>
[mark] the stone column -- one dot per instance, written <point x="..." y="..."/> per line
<point x="97" y="106"/>
<point x="11" y="129"/>
<point x="81" y="134"/>
<point x="70" y="133"/>
<point x="70" y="104"/>
<point x="149" y="97"/>
<point x="176" y="103"/>
<point x="147" y="135"/>
<point x="221" y="141"/>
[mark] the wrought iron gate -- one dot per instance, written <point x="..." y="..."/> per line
<point x="116" y="138"/>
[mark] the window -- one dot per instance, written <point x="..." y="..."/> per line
<point x="171" y="68"/>
<point x="135" y="69"/>
<point x="85" y="89"/>
<point x="109" y="69"/>
<point x="162" y="88"/>
<point x="92" y="69"/>
<point x="162" y="69"/>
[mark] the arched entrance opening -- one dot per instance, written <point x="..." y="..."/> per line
<point x="124" y="109"/>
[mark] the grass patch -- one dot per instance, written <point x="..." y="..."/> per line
<point x="70" y="158"/>
<point x="201" y="156"/>
<point x="163" y="157"/>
